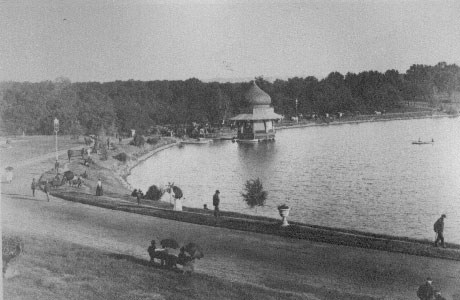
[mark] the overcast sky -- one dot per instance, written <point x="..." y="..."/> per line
<point x="150" y="40"/>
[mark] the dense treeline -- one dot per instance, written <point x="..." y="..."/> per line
<point x="122" y="105"/>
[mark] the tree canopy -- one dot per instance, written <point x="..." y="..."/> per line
<point x="92" y="107"/>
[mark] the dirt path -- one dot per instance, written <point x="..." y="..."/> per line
<point x="320" y="270"/>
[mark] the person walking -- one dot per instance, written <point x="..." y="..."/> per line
<point x="216" y="202"/>
<point x="426" y="290"/>
<point x="439" y="229"/>
<point x="46" y="189"/>
<point x="139" y="196"/>
<point x="33" y="186"/>
<point x="99" y="191"/>
<point x="56" y="166"/>
<point x="79" y="181"/>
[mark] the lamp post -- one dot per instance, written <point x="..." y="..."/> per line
<point x="296" y="115"/>
<point x="56" y="129"/>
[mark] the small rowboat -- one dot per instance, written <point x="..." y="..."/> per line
<point x="421" y="143"/>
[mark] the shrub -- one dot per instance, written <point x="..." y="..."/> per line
<point x="104" y="153"/>
<point x="283" y="206"/>
<point x="138" y="140"/>
<point x="123" y="157"/>
<point x="154" y="193"/>
<point x="451" y="111"/>
<point x="165" y="131"/>
<point x="253" y="193"/>
<point x="153" y="140"/>
<point x="137" y="192"/>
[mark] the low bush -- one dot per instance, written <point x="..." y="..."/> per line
<point x="104" y="153"/>
<point x="153" y="140"/>
<point x="283" y="206"/>
<point x="138" y="140"/>
<point x="253" y="193"/>
<point x="123" y="157"/>
<point x="154" y="193"/>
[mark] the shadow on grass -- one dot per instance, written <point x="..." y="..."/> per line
<point x="132" y="259"/>
<point x="23" y="197"/>
<point x="141" y="262"/>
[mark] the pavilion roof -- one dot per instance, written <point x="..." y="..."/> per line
<point x="256" y="96"/>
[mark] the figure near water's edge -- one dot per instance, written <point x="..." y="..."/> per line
<point x="216" y="202"/>
<point x="99" y="191"/>
<point x="439" y="229"/>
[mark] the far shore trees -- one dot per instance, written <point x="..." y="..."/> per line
<point x="119" y="106"/>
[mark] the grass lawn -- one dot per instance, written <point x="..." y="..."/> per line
<point x="33" y="146"/>
<point x="53" y="269"/>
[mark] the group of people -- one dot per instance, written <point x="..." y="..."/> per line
<point x="427" y="292"/>
<point x="170" y="260"/>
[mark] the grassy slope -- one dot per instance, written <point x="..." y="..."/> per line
<point x="53" y="269"/>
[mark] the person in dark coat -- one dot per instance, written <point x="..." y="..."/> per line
<point x="151" y="250"/>
<point x="46" y="189"/>
<point x="139" y="195"/>
<point x="426" y="290"/>
<point x="33" y="186"/>
<point x="216" y="202"/>
<point x="439" y="229"/>
<point x="56" y="166"/>
<point x="99" y="191"/>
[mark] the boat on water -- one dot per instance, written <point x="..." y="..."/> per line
<point x="419" y="142"/>
<point x="196" y="141"/>
<point x="252" y="141"/>
<point x="247" y="141"/>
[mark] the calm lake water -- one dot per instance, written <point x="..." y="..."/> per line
<point x="366" y="176"/>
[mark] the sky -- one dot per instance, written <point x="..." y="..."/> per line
<point x="101" y="40"/>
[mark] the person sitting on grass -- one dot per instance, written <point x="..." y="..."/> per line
<point x="160" y="254"/>
<point x="151" y="250"/>
<point x="186" y="261"/>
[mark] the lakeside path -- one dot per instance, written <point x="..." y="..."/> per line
<point x="313" y="270"/>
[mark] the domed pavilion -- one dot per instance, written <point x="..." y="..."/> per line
<point x="256" y="122"/>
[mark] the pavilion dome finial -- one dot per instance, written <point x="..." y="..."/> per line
<point x="256" y="96"/>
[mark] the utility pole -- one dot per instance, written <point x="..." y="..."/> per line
<point x="296" y="115"/>
<point x="56" y="129"/>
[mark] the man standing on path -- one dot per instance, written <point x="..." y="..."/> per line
<point x="99" y="188"/>
<point x="33" y="186"/>
<point x="426" y="290"/>
<point x="56" y="166"/>
<point x="216" y="202"/>
<point x="439" y="229"/>
<point x="47" y="190"/>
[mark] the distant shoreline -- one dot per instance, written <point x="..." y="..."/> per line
<point x="369" y="118"/>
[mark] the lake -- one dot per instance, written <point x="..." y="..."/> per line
<point x="366" y="176"/>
